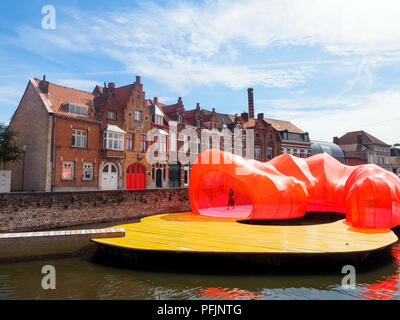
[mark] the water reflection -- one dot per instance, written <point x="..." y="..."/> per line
<point x="386" y="288"/>
<point x="83" y="278"/>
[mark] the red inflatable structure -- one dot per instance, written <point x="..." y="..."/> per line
<point x="226" y="185"/>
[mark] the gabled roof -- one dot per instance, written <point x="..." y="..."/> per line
<point x="350" y="138"/>
<point x="281" y="125"/>
<point x="59" y="95"/>
<point x="122" y="95"/>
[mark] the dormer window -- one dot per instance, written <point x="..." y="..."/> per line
<point x="76" y="108"/>
<point x="158" y="119"/>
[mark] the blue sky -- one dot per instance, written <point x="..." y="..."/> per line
<point x="327" y="66"/>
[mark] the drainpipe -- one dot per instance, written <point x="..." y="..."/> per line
<point x="53" y="150"/>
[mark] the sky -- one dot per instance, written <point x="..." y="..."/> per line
<point x="328" y="66"/>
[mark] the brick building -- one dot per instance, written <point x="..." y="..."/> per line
<point x="272" y="137"/>
<point x="77" y="140"/>
<point x="360" y="147"/>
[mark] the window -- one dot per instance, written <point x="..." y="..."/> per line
<point x="180" y="118"/>
<point x="198" y="123"/>
<point x="79" y="138"/>
<point x="257" y="152"/>
<point x="269" y="153"/>
<point x="143" y="143"/>
<point x="112" y="115"/>
<point x="158" y="119"/>
<point x="138" y="115"/>
<point x="113" y="141"/>
<point x="160" y="144"/>
<point x="88" y="171"/>
<point x="129" y="115"/>
<point x="67" y="172"/>
<point x="130" y="141"/>
<point x="76" y="108"/>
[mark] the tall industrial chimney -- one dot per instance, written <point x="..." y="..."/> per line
<point x="251" y="103"/>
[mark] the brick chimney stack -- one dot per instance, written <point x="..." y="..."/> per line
<point x="260" y="116"/>
<point x="155" y="100"/>
<point x="137" y="79"/>
<point x="336" y="140"/>
<point x="251" y="102"/>
<point x="111" y="86"/>
<point x="44" y="85"/>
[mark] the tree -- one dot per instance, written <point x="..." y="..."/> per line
<point x="9" y="150"/>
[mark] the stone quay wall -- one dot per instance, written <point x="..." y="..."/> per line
<point x="39" y="211"/>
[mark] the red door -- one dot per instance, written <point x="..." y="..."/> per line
<point x="135" y="177"/>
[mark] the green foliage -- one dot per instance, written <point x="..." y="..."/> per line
<point x="9" y="151"/>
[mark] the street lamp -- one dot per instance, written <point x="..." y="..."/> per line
<point x="23" y="166"/>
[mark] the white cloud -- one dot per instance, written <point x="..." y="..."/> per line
<point x="186" y="44"/>
<point x="375" y="113"/>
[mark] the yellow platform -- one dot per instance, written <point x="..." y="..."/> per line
<point x="184" y="232"/>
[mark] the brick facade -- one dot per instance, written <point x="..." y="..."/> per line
<point x="78" y="140"/>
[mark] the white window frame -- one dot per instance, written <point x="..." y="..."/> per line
<point x="87" y="166"/>
<point x="158" y="119"/>
<point x="79" y="135"/>
<point x="77" y="108"/>
<point x="112" y="115"/>
<point x="270" y="150"/>
<point x="65" y="164"/>
<point x="113" y="140"/>
<point x="257" y="152"/>
<point x="138" y="115"/>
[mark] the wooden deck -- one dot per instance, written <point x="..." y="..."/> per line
<point x="62" y="235"/>
<point x="184" y="232"/>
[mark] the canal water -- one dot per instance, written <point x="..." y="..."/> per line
<point x="80" y="276"/>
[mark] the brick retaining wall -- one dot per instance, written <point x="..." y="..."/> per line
<point x="36" y="211"/>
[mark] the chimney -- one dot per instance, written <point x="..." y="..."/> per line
<point x="44" y="85"/>
<point x="155" y="100"/>
<point x="359" y="139"/>
<point x="251" y="102"/>
<point x="213" y="110"/>
<point x="198" y="106"/>
<point x="137" y="79"/>
<point x="336" y="140"/>
<point x="245" y="116"/>
<point x="111" y="86"/>
<point x="260" y="116"/>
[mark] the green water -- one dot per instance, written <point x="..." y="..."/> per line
<point x="80" y="276"/>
